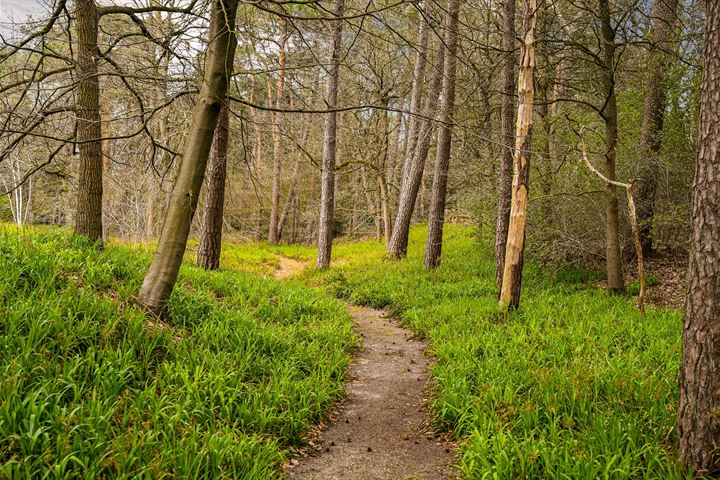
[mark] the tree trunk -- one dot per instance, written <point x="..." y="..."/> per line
<point x="433" y="248"/>
<point x="507" y="119"/>
<point x="327" y="198"/>
<point x="208" y="256"/>
<point x="88" y="219"/>
<point x="160" y="279"/>
<point x="416" y="95"/>
<point x="277" y="140"/>
<point x="664" y="13"/>
<point x="615" y="280"/>
<point x="698" y="424"/>
<point x="397" y="247"/>
<point x="515" y="249"/>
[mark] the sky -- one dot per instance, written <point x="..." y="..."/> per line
<point x="17" y="10"/>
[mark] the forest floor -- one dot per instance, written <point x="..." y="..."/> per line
<point x="381" y="430"/>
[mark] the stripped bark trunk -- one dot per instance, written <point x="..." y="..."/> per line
<point x="698" y="423"/>
<point x="162" y="275"/>
<point x="433" y="247"/>
<point x="327" y="198"/>
<point x="88" y="219"/>
<point x="664" y="13"/>
<point x="208" y="256"/>
<point x="615" y="280"/>
<point x="397" y="247"/>
<point x="277" y="139"/>
<point x="507" y="117"/>
<point x="515" y="248"/>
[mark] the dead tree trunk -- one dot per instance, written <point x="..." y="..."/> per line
<point x="208" y="256"/>
<point x="515" y="248"/>
<point x="160" y="279"/>
<point x="507" y="118"/>
<point x="664" y="13"/>
<point x="698" y="423"/>
<point x="277" y="140"/>
<point x="433" y="247"/>
<point x="88" y="219"/>
<point x="397" y="247"/>
<point x="615" y="280"/>
<point x="327" y="198"/>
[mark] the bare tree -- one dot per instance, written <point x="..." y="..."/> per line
<point x="698" y="425"/>
<point x="436" y="220"/>
<point x="160" y="279"/>
<point x="273" y="236"/>
<point x="507" y="117"/>
<point x="515" y="249"/>
<point x="89" y="217"/>
<point x="327" y="198"/>
<point x="416" y="165"/>
<point x="664" y="13"/>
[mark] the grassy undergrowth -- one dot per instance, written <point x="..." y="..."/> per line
<point x="575" y="385"/>
<point x="89" y="388"/>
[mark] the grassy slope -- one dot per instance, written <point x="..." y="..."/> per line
<point x="89" y="389"/>
<point x="575" y="385"/>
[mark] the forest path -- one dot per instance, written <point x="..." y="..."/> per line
<point x="380" y="431"/>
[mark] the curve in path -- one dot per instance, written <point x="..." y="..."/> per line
<point x="381" y="431"/>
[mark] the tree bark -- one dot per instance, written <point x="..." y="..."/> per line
<point x="515" y="248"/>
<point x="416" y="94"/>
<point x="664" y="13"/>
<point x="327" y="198"/>
<point x="208" y="256"/>
<point x="698" y="423"/>
<point x="507" y="120"/>
<point x="397" y="247"/>
<point x="615" y="279"/>
<point x="277" y="140"/>
<point x="162" y="275"/>
<point x="433" y="247"/>
<point x="88" y="218"/>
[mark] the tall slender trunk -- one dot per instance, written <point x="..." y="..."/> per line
<point x="416" y="94"/>
<point x="327" y="198"/>
<point x="88" y="219"/>
<point x="372" y="208"/>
<point x="507" y="120"/>
<point x="664" y="13"/>
<point x="433" y="248"/>
<point x="615" y="279"/>
<point x="162" y="275"/>
<point x="698" y="423"/>
<point x="208" y="256"/>
<point x="397" y="247"/>
<point x="277" y="139"/>
<point x="515" y="249"/>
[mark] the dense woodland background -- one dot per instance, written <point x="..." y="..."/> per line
<point x="150" y="66"/>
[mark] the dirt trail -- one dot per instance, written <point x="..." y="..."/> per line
<point x="380" y="431"/>
<point x="288" y="267"/>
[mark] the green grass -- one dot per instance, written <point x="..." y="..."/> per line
<point x="575" y="385"/>
<point x="90" y="389"/>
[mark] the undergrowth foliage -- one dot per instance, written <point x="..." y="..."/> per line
<point x="576" y="384"/>
<point x="90" y="388"/>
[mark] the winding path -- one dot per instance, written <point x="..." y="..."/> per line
<point x="380" y="432"/>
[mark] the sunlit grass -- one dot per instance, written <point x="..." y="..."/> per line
<point x="89" y="388"/>
<point x="576" y="385"/>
